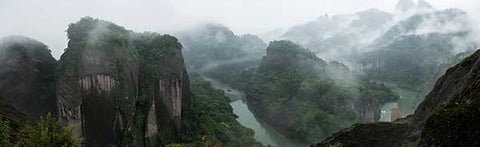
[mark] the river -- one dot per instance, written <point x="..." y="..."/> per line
<point x="263" y="133"/>
<point x="407" y="103"/>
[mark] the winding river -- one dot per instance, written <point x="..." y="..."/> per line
<point x="408" y="102"/>
<point x="263" y="133"/>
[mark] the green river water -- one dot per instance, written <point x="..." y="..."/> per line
<point x="263" y="133"/>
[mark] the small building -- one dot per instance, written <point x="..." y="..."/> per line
<point x="395" y="112"/>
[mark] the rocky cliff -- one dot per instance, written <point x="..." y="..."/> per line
<point x="164" y="84"/>
<point x="119" y="87"/>
<point x="27" y="76"/>
<point x="97" y="83"/>
<point x="447" y="117"/>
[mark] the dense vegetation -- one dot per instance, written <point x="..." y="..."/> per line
<point x="211" y="121"/>
<point x="293" y="91"/>
<point x="300" y="95"/>
<point x="17" y="129"/>
<point x="157" y="57"/>
<point x="47" y="133"/>
<point x="456" y="122"/>
<point x="408" y="55"/>
<point x="100" y="47"/>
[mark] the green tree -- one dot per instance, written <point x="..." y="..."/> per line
<point x="47" y="133"/>
<point x="4" y="133"/>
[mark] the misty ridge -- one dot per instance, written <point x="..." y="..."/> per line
<point x="341" y="37"/>
<point x="400" y="73"/>
<point x="398" y="55"/>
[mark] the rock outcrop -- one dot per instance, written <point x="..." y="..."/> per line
<point x="97" y="83"/>
<point x="27" y="76"/>
<point x="119" y="87"/>
<point x="164" y="83"/>
<point x="448" y="116"/>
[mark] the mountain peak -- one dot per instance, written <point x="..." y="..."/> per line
<point x="405" y="5"/>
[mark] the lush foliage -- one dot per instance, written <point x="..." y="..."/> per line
<point x="108" y="48"/>
<point x="456" y="122"/>
<point x="212" y="120"/>
<point x="47" y="133"/>
<point x="298" y="94"/>
<point x="156" y="52"/>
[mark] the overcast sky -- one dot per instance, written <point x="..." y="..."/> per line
<point x="47" y="20"/>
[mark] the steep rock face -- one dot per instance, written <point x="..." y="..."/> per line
<point x="455" y="81"/>
<point x="173" y="86"/>
<point x="27" y="76"/>
<point x="164" y="82"/>
<point x="447" y="117"/>
<point x="97" y="83"/>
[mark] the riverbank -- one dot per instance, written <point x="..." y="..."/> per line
<point x="263" y="133"/>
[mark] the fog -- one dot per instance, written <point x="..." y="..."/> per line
<point x="47" y="20"/>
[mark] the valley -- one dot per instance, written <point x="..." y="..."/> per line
<point x="263" y="133"/>
<point x="190" y="74"/>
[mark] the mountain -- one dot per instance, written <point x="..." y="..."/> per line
<point x="112" y="86"/>
<point x="119" y="87"/>
<point x="209" y="46"/>
<point x="116" y="86"/>
<point x="97" y="83"/>
<point x="163" y="83"/>
<point x="446" y="117"/>
<point x="27" y="76"/>
<point x="215" y="51"/>
<point x="335" y="37"/>
<point x="413" y="53"/>
<point x="304" y="97"/>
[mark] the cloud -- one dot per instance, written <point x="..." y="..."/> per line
<point x="47" y="20"/>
